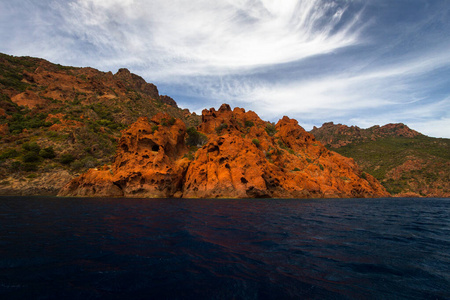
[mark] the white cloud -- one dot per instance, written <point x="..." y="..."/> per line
<point x="252" y="53"/>
<point x="393" y="93"/>
<point x="200" y="37"/>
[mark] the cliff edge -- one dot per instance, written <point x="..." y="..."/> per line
<point x="241" y="156"/>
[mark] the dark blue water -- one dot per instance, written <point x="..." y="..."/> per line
<point x="56" y="248"/>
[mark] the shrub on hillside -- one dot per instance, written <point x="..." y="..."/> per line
<point x="195" y="138"/>
<point x="256" y="142"/>
<point x="31" y="147"/>
<point x="270" y="129"/>
<point x="249" y="123"/>
<point x="31" y="157"/>
<point x="66" y="159"/>
<point x="47" y="153"/>
<point x="221" y="127"/>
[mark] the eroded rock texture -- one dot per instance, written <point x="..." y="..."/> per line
<point x="244" y="157"/>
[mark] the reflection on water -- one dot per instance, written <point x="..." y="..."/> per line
<point x="224" y="249"/>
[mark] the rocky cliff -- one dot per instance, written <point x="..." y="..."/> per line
<point x="61" y="121"/>
<point x="242" y="157"/>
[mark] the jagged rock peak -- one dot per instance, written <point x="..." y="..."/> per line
<point x="134" y="81"/>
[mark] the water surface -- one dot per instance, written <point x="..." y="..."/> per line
<point x="82" y="248"/>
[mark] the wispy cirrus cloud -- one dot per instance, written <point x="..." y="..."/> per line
<point x="352" y="62"/>
<point x="210" y="37"/>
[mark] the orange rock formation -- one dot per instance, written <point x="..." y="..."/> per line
<point x="244" y="157"/>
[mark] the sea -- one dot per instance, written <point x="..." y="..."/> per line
<point x="115" y="248"/>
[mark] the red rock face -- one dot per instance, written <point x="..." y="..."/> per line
<point x="148" y="163"/>
<point x="29" y="99"/>
<point x="244" y="157"/>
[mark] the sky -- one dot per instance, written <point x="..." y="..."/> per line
<point x="354" y="62"/>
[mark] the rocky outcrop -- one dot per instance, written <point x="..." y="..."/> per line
<point x="338" y="135"/>
<point x="168" y="100"/>
<point x="78" y="113"/>
<point x="244" y="157"/>
<point x="29" y="99"/>
<point x="136" y="82"/>
<point x="149" y="163"/>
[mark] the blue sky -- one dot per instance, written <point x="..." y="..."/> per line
<point x="352" y="62"/>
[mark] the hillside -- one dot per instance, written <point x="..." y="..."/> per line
<point x="403" y="160"/>
<point x="231" y="154"/>
<point x="57" y="121"/>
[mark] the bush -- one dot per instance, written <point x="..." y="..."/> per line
<point x="169" y="122"/>
<point x="270" y="129"/>
<point x="221" y="127"/>
<point x="31" y="157"/>
<point x="47" y="153"/>
<point x="19" y="122"/>
<point x="256" y="142"/>
<point x="85" y="163"/>
<point x="195" y="138"/>
<point x="66" y="159"/>
<point x="31" y="147"/>
<point x="249" y="124"/>
<point x="9" y="153"/>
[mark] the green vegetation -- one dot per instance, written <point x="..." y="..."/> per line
<point x="221" y="127"/>
<point x="9" y="153"/>
<point x="85" y="163"/>
<point x="381" y="156"/>
<point x="11" y="71"/>
<point x="249" y="123"/>
<point x="21" y="121"/>
<point x="195" y="138"/>
<point x="169" y="122"/>
<point x="384" y="154"/>
<point x="31" y="147"/>
<point x="47" y="153"/>
<point x="31" y="157"/>
<point x="12" y="78"/>
<point x="270" y="129"/>
<point x="283" y="146"/>
<point x="66" y="159"/>
<point x="256" y="142"/>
